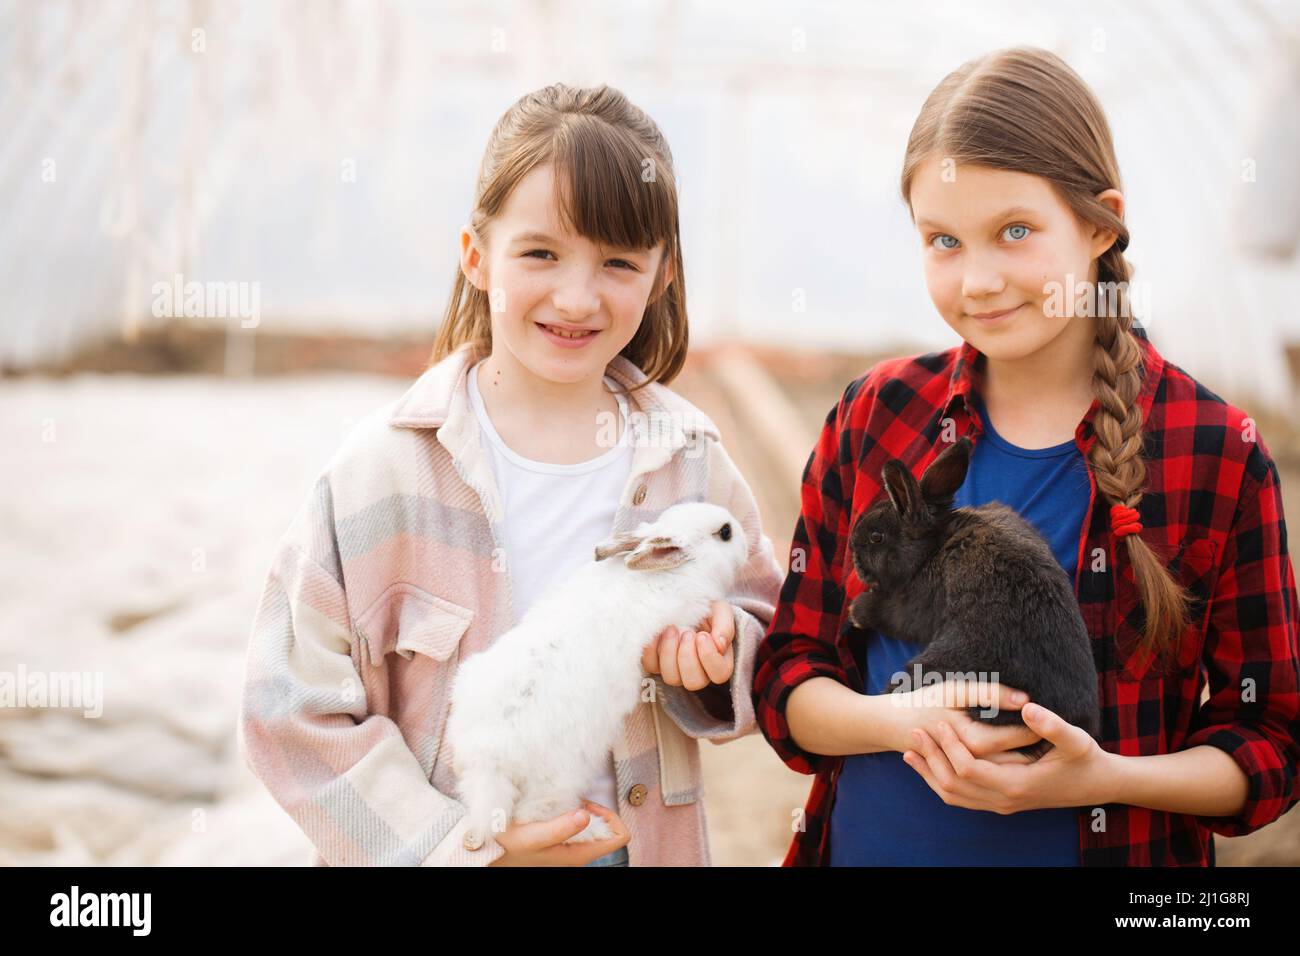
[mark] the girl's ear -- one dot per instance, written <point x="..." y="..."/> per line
<point x="471" y="258"/>
<point x="1103" y="239"/>
<point x="665" y="277"/>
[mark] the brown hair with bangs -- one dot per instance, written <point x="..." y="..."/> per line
<point x="614" y="176"/>
<point x="1024" y="109"/>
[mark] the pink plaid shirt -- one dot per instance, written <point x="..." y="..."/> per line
<point x="385" y="581"/>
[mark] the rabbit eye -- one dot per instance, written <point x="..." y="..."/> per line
<point x="725" y="531"/>
<point x="876" y="537"/>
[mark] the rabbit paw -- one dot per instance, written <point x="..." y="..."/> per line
<point x="863" y="611"/>
<point x="596" y="829"/>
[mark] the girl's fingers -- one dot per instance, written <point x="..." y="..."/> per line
<point x="939" y="766"/>
<point x="717" y="666"/>
<point x="668" y="643"/>
<point x="688" y="662"/>
<point x="688" y="659"/>
<point x="917" y="762"/>
<point x="547" y="833"/>
<point x="650" y="657"/>
<point x="989" y="696"/>
<point x="943" y="772"/>
<point x="1056" y="729"/>
<point x="983" y="739"/>
<point x="1008" y="756"/>
<point x="723" y="626"/>
<point x="966" y="769"/>
<point x="1009" y="698"/>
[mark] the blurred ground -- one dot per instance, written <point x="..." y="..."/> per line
<point x="139" y="516"/>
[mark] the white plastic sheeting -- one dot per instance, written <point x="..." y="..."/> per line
<point x="326" y="153"/>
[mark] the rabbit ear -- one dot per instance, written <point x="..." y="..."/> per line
<point x="620" y="543"/>
<point x="659" y="553"/>
<point x="901" y="487"/>
<point x="946" y="473"/>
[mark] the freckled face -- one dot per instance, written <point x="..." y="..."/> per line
<point x="994" y="242"/>
<point x="543" y="279"/>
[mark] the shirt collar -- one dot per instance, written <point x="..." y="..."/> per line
<point x="968" y="375"/>
<point x="661" y="421"/>
<point x="441" y="395"/>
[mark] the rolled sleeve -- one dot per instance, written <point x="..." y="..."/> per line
<point x="1269" y="776"/>
<point x="688" y="711"/>
<point x="1251" y="657"/>
<point x="752" y="600"/>
<point x="801" y="642"/>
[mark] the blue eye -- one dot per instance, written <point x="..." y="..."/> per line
<point x="942" y="245"/>
<point x="1024" y="231"/>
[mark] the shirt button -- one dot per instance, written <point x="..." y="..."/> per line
<point x="636" y="796"/>
<point x="471" y="842"/>
<point x="640" y="496"/>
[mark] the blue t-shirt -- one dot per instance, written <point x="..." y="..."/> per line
<point x="884" y="813"/>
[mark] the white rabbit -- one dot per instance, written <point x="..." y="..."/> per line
<point x="533" y="716"/>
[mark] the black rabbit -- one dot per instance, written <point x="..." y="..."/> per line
<point x="979" y="588"/>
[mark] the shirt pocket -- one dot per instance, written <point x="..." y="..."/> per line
<point x="1194" y="566"/>
<point x="407" y="620"/>
<point x="413" y="642"/>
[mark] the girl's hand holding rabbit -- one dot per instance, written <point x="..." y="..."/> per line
<point x="1076" y="772"/>
<point x="930" y="705"/>
<point x="695" y="659"/>
<point x="542" y="843"/>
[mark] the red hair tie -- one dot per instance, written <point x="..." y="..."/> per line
<point x="1124" y="521"/>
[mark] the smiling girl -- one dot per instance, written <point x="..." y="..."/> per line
<point x="544" y="428"/>
<point x="1158" y="498"/>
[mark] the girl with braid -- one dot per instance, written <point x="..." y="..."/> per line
<point x="1159" y="499"/>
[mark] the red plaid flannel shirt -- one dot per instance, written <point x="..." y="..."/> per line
<point x="1212" y="507"/>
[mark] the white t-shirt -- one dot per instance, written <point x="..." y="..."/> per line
<point x="555" y="515"/>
